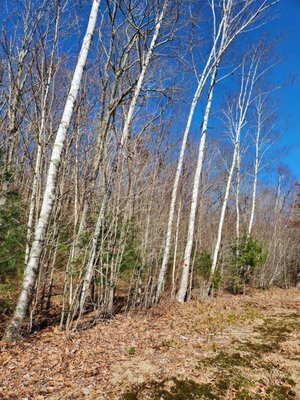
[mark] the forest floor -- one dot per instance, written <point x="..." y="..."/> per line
<point x="229" y="347"/>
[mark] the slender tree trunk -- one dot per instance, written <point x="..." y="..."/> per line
<point x="224" y="207"/>
<point x="31" y="273"/>
<point x="173" y="290"/>
<point x="167" y="247"/>
<point x="237" y="195"/>
<point x="237" y="201"/>
<point x="191" y="227"/>
<point x="243" y="102"/>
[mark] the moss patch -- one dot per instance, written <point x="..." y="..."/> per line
<point x="234" y="367"/>
<point x="174" y="389"/>
<point x="276" y="330"/>
<point x="257" y="349"/>
<point x="227" y="360"/>
<point x="236" y="373"/>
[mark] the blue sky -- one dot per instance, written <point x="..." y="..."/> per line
<point x="285" y="28"/>
<point x="288" y="22"/>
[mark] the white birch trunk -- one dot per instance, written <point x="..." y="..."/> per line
<point x="237" y="195"/>
<point x="167" y="248"/>
<point x="33" y="265"/>
<point x="244" y="98"/>
<point x="175" y="252"/>
<point x="91" y="263"/>
<point x="191" y="227"/>
<point x="224" y="207"/>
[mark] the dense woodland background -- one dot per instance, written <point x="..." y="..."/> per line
<point x="170" y="180"/>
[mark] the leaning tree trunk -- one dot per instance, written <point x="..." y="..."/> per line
<point x="191" y="227"/>
<point x="224" y="207"/>
<point x="32" y="269"/>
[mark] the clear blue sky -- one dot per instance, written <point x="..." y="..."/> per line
<point x="288" y="22"/>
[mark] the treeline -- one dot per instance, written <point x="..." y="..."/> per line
<point x="137" y="157"/>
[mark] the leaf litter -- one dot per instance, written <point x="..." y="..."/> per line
<point x="229" y="347"/>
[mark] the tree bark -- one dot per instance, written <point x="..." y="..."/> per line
<point x="191" y="227"/>
<point x="243" y="102"/>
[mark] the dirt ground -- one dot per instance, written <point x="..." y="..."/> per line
<point x="229" y="347"/>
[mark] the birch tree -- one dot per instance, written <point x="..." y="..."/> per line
<point x="236" y="120"/>
<point x="33" y="265"/>
<point x="262" y="143"/>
